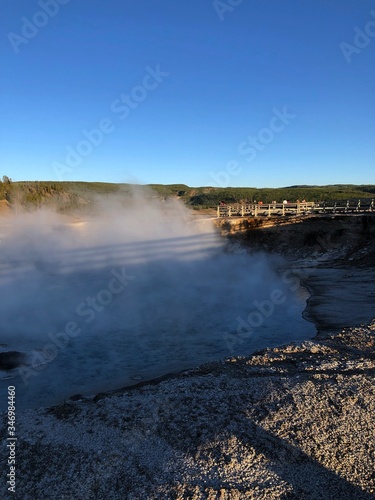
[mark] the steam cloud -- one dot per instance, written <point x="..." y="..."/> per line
<point x="149" y="290"/>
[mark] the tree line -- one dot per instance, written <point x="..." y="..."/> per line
<point x="70" y="195"/>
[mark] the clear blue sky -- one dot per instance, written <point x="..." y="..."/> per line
<point x="226" y="77"/>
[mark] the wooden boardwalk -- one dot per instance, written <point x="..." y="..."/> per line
<point x="302" y="208"/>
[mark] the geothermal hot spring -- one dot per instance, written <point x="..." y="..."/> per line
<point x="132" y="294"/>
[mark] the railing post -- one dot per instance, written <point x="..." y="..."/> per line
<point x="218" y="211"/>
<point x="242" y="210"/>
<point x="359" y="206"/>
<point x="372" y="205"/>
<point x="229" y="211"/>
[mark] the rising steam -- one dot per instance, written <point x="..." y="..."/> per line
<point x="133" y="291"/>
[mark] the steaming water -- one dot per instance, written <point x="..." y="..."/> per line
<point x="131" y="295"/>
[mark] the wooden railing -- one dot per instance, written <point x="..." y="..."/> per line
<point x="302" y="208"/>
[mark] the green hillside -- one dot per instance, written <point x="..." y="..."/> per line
<point x="72" y="196"/>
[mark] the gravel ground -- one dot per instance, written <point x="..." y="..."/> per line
<point x="294" y="422"/>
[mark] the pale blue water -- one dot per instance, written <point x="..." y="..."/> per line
<point x="94" y="316"/>
<point x="149" y="329"/>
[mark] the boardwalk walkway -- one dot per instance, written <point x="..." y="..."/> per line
<point x="302" y="208"/>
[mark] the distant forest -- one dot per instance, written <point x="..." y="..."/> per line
<point x="72" y="196"/>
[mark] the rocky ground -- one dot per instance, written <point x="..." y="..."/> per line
<point x="293" y="422"/>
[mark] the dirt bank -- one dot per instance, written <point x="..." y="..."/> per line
<point x="343" y="238"/>
<point x="5" y="208"/>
